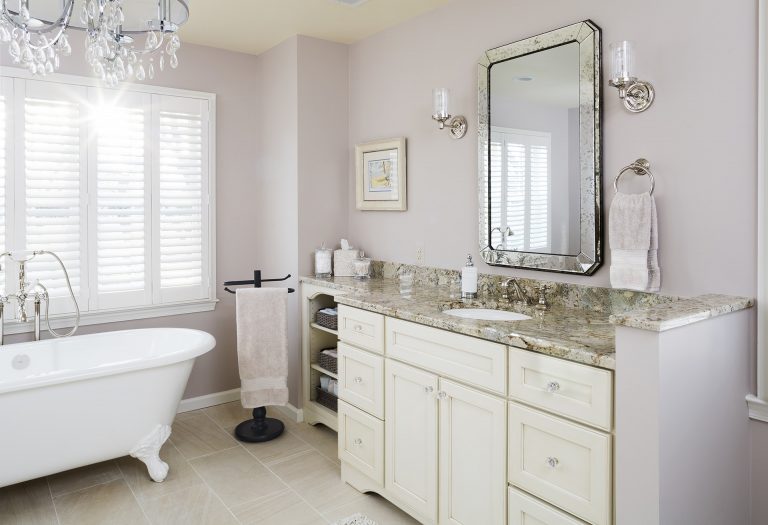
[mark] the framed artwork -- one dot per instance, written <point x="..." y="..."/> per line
<point x="380" y="167"/>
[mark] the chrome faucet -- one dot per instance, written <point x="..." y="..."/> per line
<point x="505" y="296"/>
<point x="21" y="297"/>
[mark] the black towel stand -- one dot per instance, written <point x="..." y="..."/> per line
<point x="261" y="428"/>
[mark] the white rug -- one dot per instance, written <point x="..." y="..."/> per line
<point x="355" y="519"/>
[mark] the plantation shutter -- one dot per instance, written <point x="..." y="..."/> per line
<point x="51" y="196"/>
<point x="520" y="187"/>
<point x="6" y="167"/>
<point x="120" y="199"/>
<point x="180" y="198"/>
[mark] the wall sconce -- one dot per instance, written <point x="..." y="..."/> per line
<point x="457" y="126"/>
<point x="636" y="94"/>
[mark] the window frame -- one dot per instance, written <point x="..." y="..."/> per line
<point x="131" y="313"/>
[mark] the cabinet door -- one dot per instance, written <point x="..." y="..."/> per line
<point x="473" y="440"/>
<point x="411" y="438"/>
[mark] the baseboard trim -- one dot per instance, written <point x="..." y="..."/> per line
<point x="219" y="398"/>
<point x="758" y="409"/>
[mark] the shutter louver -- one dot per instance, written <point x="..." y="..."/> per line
<point x="121" y="203"/>
<point x="181" y="172"/>
<point x="53" y="166"/>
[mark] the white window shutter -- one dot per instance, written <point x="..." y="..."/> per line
<point x="180" y="203"/>
<point x="6" y="170"/>
<point x="51" y="191"/>
<point x="120" y="205"/>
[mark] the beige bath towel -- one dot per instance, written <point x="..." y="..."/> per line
<point x="633" y="235"/>
<point x="262" y="346"/>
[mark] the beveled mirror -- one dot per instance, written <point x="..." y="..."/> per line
<point x="539" y="151"/>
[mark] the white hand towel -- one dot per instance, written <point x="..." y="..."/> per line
<point x="633" y="236"/>
<point x="262" y="346"/>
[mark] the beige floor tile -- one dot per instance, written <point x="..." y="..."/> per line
<point x="278" y="509"/>
<point x="280" y="448"/>
<point x="83" y="477"/>
<point x="181" y="475"/>
<point x="196" y="505"/>
<point x="236" y="476"/>
<point x="111" y="503"/>
<point x="375" y="507"/>
<point x="229" y="415"/>
<point x="27" y="503"/>
<point x="317" y="479"/>
<point x="195" y="435"/>
<point x="322" y="439"/>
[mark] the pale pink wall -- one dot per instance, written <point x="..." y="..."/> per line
<point x="233" y="78"/>
<point x="702" y="146"/>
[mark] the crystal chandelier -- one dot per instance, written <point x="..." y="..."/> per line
<point x="113" y="48"/>
<point x="35" y="43"/>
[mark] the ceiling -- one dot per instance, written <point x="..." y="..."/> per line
<point x="253" y="26"/>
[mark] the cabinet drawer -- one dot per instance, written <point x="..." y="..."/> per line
<point x="361" y="379"/>
<point x="361" y="328"/>
<point x="561" y="462"/>
<point x="466" y="359"/>
<point x="576" y="391"/>
<point x="527" y="510"/>
<point x="361" y="441"/>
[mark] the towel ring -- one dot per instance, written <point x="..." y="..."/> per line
<point x="640" y="167"/>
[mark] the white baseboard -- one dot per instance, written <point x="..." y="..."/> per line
<point x="219" y="398"/>
<point x="758" y="409"/>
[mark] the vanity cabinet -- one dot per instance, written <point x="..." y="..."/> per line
<point x="461" y="431"/>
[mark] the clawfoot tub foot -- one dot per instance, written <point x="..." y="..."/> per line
<point x="148" y="451"/>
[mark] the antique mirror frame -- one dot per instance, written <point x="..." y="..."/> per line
<point x="587" y="35"/>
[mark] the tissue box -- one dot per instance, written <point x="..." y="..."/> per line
<point x="342" y="262"/>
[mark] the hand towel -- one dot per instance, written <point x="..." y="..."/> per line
<point x="633" y="237"/>
<point x="262" y="346"/>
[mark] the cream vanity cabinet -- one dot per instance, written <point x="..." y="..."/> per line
<point x="458" y="430"/>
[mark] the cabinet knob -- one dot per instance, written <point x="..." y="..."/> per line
<point x="358" y="327"/>
<point x="553" y="386"/>
<point x="442" y="395"/>
<point x="358" y="442"/>
<point x="428" y="389"/>
<point x="552" y="462"/>
<point x="358" y="379"/>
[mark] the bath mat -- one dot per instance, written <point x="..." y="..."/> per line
<point x="355" y="519"/>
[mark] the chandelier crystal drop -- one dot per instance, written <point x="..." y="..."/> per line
<point x="115" y="55"/>
<point x="35" y="44"/>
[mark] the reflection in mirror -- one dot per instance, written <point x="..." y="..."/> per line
<point x="535" y="152"/>
<point x="539" y="152"/>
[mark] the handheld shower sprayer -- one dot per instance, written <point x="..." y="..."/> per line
<point x="37" y="291"/>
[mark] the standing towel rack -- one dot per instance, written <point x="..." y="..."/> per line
<point x="261" y="428"/>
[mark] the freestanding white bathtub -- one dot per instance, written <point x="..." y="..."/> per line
<point x="65" y="403"/>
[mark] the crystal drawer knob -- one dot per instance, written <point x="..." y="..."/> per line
<point x="358" y="327"/>
<point x="553" y="386"/>
<point x="358" y="442"/>
<point x="442" y="395"/>
<point x="358" y="379"/>
<point x="428" y="389"/>
<point x="552" y="462"/>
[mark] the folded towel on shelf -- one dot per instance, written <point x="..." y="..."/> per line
<point x="262" y="346"/>
<point x="331" y="352"/>
<point x="329" y="311"/>
<point x="633" y="237"/>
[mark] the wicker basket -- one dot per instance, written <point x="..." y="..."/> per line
<point x="327" y="399"/>
<point x="327" y="321"/>
<point x="327" y="362"/>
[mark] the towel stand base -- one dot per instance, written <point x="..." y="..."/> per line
<point x="259" y="429"/>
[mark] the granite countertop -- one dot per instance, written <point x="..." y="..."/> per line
<point x="583" y="335"/>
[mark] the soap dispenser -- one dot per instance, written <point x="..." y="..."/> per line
<point x="469" y="280"/>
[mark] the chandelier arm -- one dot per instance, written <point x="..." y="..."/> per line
<point x="61" y="23"/>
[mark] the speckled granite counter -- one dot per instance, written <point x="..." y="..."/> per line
<point x="584" y="333"/>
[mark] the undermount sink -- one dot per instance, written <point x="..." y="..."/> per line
<point x="486" y="314"/>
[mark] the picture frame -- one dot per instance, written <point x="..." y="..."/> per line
<point x="381" y="175"/>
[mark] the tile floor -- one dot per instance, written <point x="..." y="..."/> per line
<point x="214" y="480"/>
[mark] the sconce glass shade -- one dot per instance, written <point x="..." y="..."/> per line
<point x="622" y="59"/>
<point x="440" y="102"/>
